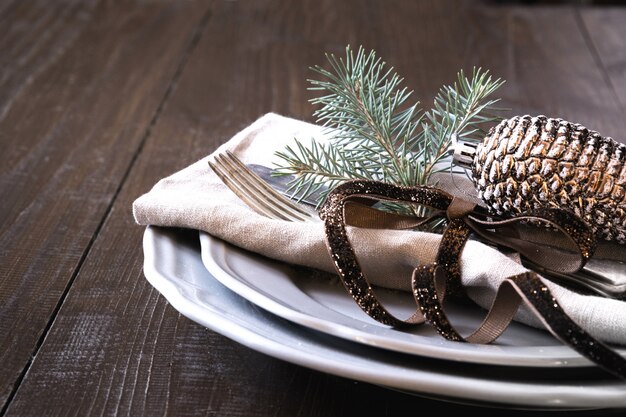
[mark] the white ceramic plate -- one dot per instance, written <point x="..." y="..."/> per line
<point x="173" y="266"/>
<point x="312" y="300"/>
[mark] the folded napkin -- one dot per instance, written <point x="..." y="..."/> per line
<point x="196" y="198"/>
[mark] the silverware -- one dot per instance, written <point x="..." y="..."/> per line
<point x="601" y="276"/>
<point x="256" y="192"/>
<point x="282" y="185"/>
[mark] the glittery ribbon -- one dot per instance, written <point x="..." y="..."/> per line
<point x="431" y="283"/>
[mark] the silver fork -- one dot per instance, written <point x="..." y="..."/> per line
<point x="602" y="277"/>
<point x="255" y="192"/>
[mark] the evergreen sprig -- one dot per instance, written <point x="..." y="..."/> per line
<point x="374" y="133"/>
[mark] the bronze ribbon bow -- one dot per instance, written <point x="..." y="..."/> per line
<point x="431" y="283"/>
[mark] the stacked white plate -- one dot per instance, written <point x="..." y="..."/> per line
<point x="307" y="318"/>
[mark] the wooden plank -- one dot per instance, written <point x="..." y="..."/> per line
<point x="117" y="348"/>
<point x="606" y="30"/>
<point x="545" y="60"/>
<point x="81" y="85"/>
<point x="33" y="35"/>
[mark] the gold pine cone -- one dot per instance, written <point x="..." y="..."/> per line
<point x="529" y="162"/>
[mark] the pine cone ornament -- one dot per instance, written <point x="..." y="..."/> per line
<point x="527" y="162"/>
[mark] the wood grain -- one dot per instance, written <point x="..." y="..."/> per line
<point x="606" y="31"/>
<point x="117" y="348"/>
<point x="539" y="50"/>
<point x="80" y="88"/>
<point x="33" y="35"/>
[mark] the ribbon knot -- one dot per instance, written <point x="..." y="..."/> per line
<point x="430" y="283"/>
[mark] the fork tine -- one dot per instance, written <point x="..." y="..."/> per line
<point x="243" y="195"/>
<point x="252" y="191"/>
<point x="256" y="197"/>
<point x="263" y="186"/>
<point x="262" y="193"/>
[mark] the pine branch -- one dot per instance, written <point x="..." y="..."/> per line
<point x="376" y="134"/>
<point x="363" y="108"/>
<point x="320" y="167"/>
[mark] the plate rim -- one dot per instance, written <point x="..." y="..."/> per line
<point x="450" y="386"/>
<point x="558" y="356"/>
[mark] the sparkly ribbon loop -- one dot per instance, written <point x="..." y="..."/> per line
<point x="430" y="283"/>
<point x="333" y="212"/>
<point x="429" y="290"/>
<point x="575" y="248"/>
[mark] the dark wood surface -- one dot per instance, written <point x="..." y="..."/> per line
<point x="100" y="99"/>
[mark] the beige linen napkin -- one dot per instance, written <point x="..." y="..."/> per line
<point x="195" y="198"/>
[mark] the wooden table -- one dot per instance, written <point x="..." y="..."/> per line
<point x="100" y="99"/>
